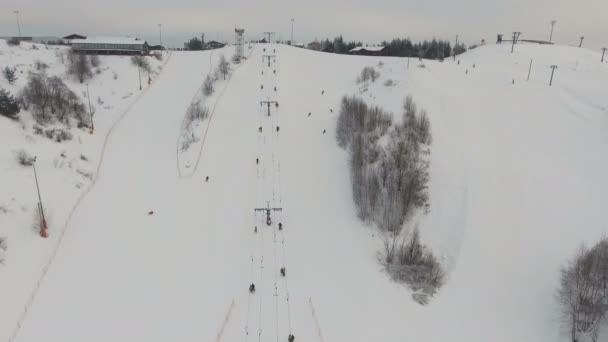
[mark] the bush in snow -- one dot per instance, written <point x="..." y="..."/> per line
<point x="223" y="66"/>
<point x="8" y="105"/>
<point x="40" y="66"/>
<point x="389" y="83"/>
<point x="368" y="74"/>
<point x="58" y="135"/>
<point x="9" y="74"/>
<point x="196" y="111"/>
<point x="13" y="41"/>
<point x="3" y="248"/>
<point x="208" y="86"/>
<point x="24" y="158"/>
<point x="94" y="60"/>
<point x="412" y="263"/>
<point x="582" y="293"/>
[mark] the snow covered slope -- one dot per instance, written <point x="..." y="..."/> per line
<point x="516" y="186"/>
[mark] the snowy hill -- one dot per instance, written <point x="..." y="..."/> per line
<point x="516" y="186"/>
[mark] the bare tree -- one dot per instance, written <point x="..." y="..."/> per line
<point x="141" y="62"/>
<point x="583" y="291"/>
<point x="79" y="66"/>
<point x="224" y="66"/>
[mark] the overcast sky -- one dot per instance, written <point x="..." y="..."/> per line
<point x="369" y="21"/>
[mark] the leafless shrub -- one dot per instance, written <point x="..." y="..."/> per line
<point x="95" y="61"/>
<point x="368" y="74"/>
<point x="3" y="248"/>
<point x="196" y="111"/>
<point x="58" y="135"/>
<point x="24" y="158"/>
<point x="13" y="41"/>
<point x="208" y="86"/>
<point x="40" y="66"/>
<point x="415" y="265"/>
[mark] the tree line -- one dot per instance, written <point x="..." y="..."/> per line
<point x="397" y="47"/>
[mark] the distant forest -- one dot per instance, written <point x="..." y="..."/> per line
<point x="398" y="47"/>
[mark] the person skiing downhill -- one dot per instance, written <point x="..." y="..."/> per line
<point x="282" y="271"/>
<point x="291" y="338"/>
<point x="252" y="288"/>
<point x="280" y="226"/>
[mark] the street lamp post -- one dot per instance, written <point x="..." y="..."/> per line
<point x="43" y="226"/>
<point x="160" y="35"/>
<point x="18" y="23"/>
<point x="92" y="128"/>
<point x="551" y="35"/>
<point x="292" y="20"/>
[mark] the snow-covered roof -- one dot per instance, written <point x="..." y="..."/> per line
<point x="109" y="40"/>
<point x="368" y="48"/>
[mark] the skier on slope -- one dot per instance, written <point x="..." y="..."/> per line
<point x="280" y="226"/>
<point x="252" y="288"/>
<point x="277" y="128"/>
<point x="257" y="160"/>
<point x="282" y="271"/>
<point x="291" y="338"/>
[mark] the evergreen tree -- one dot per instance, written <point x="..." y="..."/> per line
<point x="9" y="75"/>
<point x="194" y="44"/>
<point x="8" y="105"/>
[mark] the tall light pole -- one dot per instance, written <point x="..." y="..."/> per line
<point x="43" y="226"/>
<point x="552" y="25"/>
<point x="18" y="23"/>
<point x="160" y="35"/>
<point x="92" y="128"/>
<point x="292" y="20"/>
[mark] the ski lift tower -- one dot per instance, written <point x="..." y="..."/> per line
<point x="239" y="41"/>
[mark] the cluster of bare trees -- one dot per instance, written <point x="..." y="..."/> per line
<point x="197" y="111"/>
<point x="389" y="174"/>
<point x="583" y="291"/>
<point x="368" y="74"/>
<point x="51" y="100"/>
<point x="389" y="163"/>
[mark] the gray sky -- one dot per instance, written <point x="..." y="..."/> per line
<point x="370" y="21"/>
